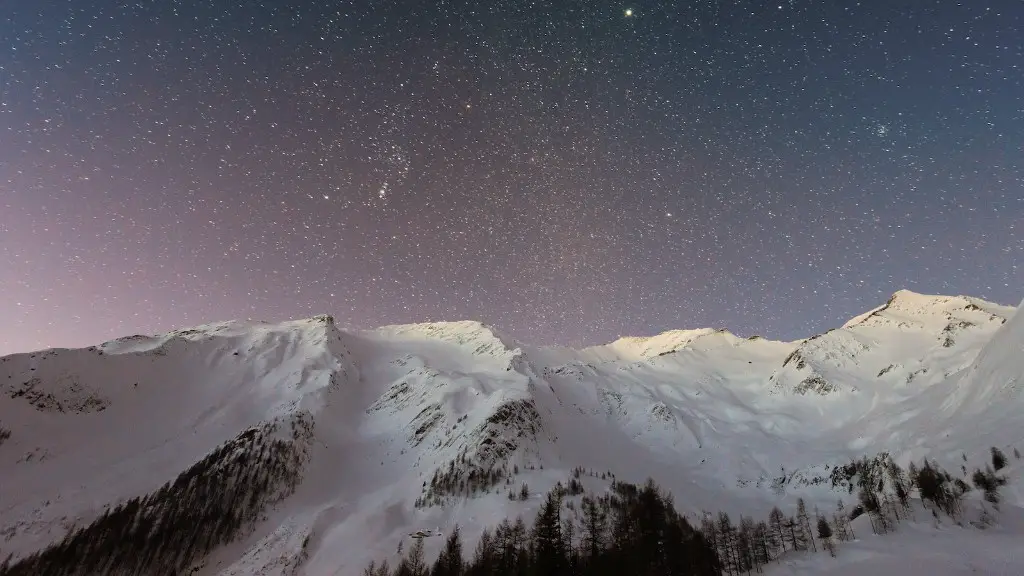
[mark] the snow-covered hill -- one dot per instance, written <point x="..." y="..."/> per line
<point x="349" y="441"/>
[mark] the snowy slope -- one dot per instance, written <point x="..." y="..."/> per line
<point x="405" y="418"/>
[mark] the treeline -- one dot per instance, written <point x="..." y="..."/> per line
<point x="464" y="478"/>
<point x="631" y="530"/>
<point x="883" y="492"/>
<point x="636" y="530"/>
<point x="213" y="502"/>
<point x="886" y="497"/>
<point x="513" y="423"/>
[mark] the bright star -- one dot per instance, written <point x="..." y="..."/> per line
<point x="629" y="12"/>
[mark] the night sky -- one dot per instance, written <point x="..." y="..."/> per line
<point x="569" y="171"/>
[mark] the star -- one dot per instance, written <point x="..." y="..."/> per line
<point x="432" y="167"/>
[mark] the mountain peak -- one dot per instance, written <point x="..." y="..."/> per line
<point x="906" y="305"/>
<point x="633" y="348"/>
<point x="385" y="432"/>
<point x="481" y="339"/>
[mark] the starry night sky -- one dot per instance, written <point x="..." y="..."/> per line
<point x="563" y="170"/>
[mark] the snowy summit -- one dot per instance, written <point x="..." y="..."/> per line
<point x="300" y="448"/>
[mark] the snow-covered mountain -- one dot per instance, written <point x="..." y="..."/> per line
<point x="329" y="447"/>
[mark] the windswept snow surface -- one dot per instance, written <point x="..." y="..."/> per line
<point x="716" y="419"/>
<point x="923" y="546"/>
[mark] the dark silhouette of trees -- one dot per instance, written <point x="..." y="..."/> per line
<point x="549" y="551"/>
<point x="998" y="459"/>
<point x="825" y="535"/>
<point x="764" y="544"/>
<point x="449" y="562"/>
<point x="414" y="563"/>
<point x="374" y="570"/>
<point x="728" y="552"/>
<point x="636" y="530"/>
<point x="747" y="546"/>
<point x="900" y="483"/>
<point x="989" y="482"/>
<point x="213" y="502"/>
<point x="936" y="485"/>
<point x="632" y="530"/>
<point x="595" y="526"/>
<point x="789" y="533"/>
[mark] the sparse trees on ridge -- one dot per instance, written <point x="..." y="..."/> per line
<point x="989" y="482"/>
<point x="213" y="502"/>
<point x="636" y="530"/>
<point x="628" y="530"/>
<point x="632" y="530"/>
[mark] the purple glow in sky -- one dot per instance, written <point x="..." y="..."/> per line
<point x="565" y="172"/>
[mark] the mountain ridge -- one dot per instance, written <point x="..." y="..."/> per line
<point x="422" y="425"/>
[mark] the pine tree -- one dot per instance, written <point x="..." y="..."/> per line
<point x="772" y="540"/>
<point x="595" y="527"/>
<point x="825" y="535"/>
<point x="653" y="521"/>
<point x="484" y="554"/>
<point x="746" y="544"/>
<point x="842" y="521"/>
<point x="928" y="483"/>
<point x="511" y="542"/>
<point x="900" y="484"/>
<point x="449" y="562"/>
<point x="709" y="529"/>
<point x="796" y="528"/>
<point x="414" y="563"/>
<point x="805" y="522"/>
<point x="937" y="485"/>
<point x="998" y="459"/>
<point x="547" y="537"/>
<point x="776" y="522"/>
<point x="789" y="534"/>
<point x="374" y="570"/>
<point x="763" y="542"/>
<point x="989" y="482"/>
<point x="572" y="553"/>
<point x="727" y="544"/>
<point x="869" y="501"/>
<point x="891" y="508"/>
